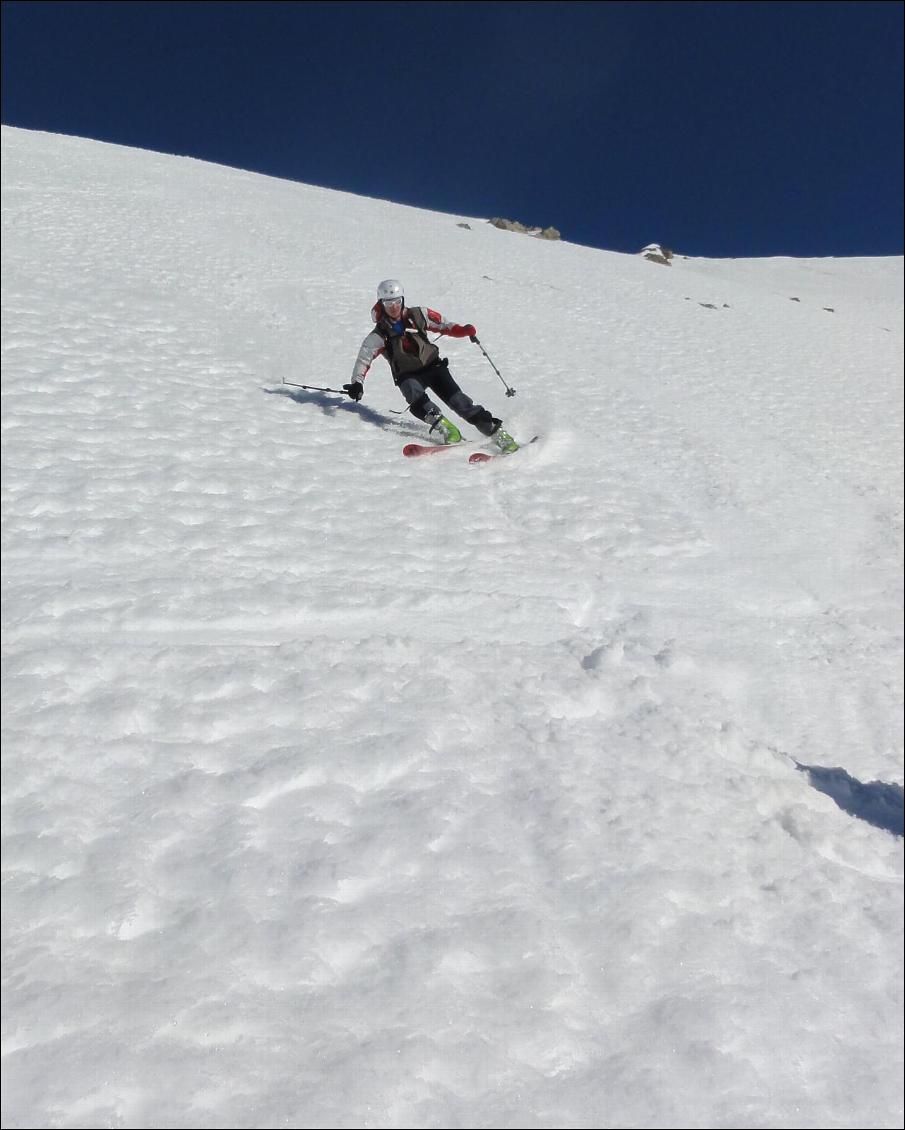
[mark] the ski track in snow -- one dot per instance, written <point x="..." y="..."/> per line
<point x="346" y="790"/>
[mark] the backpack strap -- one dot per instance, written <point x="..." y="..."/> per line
<point x="413" y="318"/>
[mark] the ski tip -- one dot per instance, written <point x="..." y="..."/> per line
<point x="413" y="450"/>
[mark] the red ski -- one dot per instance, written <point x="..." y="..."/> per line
<point x="484" y="457"/>
<point x="415" y="450"/>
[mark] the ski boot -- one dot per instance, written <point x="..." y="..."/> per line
<point x="504" y="441"/>
<point x="444" y="431"/>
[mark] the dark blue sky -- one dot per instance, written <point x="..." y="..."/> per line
<point x="718" y="129"/>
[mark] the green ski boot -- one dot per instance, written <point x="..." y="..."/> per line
<point x="504" y="441"/>
<point x="446" y="431"/>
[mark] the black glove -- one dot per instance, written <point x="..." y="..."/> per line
<point x="356" y="390"/>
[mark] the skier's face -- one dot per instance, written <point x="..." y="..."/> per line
<point x="393" y="308"/>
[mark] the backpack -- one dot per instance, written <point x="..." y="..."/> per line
<point x="409" y="351"/>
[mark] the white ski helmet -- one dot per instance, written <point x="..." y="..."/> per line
<point x="389" y="290"/>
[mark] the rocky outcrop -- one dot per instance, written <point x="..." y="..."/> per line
<point x="657" y="254"/>
<point x="514" y="225"/>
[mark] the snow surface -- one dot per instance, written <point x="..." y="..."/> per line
<point x="343" y="790"/>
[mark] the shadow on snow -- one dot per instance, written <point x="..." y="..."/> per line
<point x="331" y="404"/>
<point x="876" y="802"/>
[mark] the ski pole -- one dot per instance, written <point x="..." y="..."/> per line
<point x="509" y="391"/>
<point x="315" y="388"/>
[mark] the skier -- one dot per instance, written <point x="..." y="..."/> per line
<point x="400" y="334"/>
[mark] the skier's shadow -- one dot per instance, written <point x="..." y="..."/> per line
<point x="876" y="802"/>
<point x="332" y="405"/>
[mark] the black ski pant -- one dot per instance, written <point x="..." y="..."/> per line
<point x="439" y="380"/>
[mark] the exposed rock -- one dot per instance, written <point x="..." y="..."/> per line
<point x="514" y="225"/>
<point x="466" y="226"/>
<point x="657" y="254"/>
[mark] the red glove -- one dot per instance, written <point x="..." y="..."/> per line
<point x="462" y="331"/>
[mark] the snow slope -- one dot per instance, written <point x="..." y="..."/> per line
<point x="347" y="790"/>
